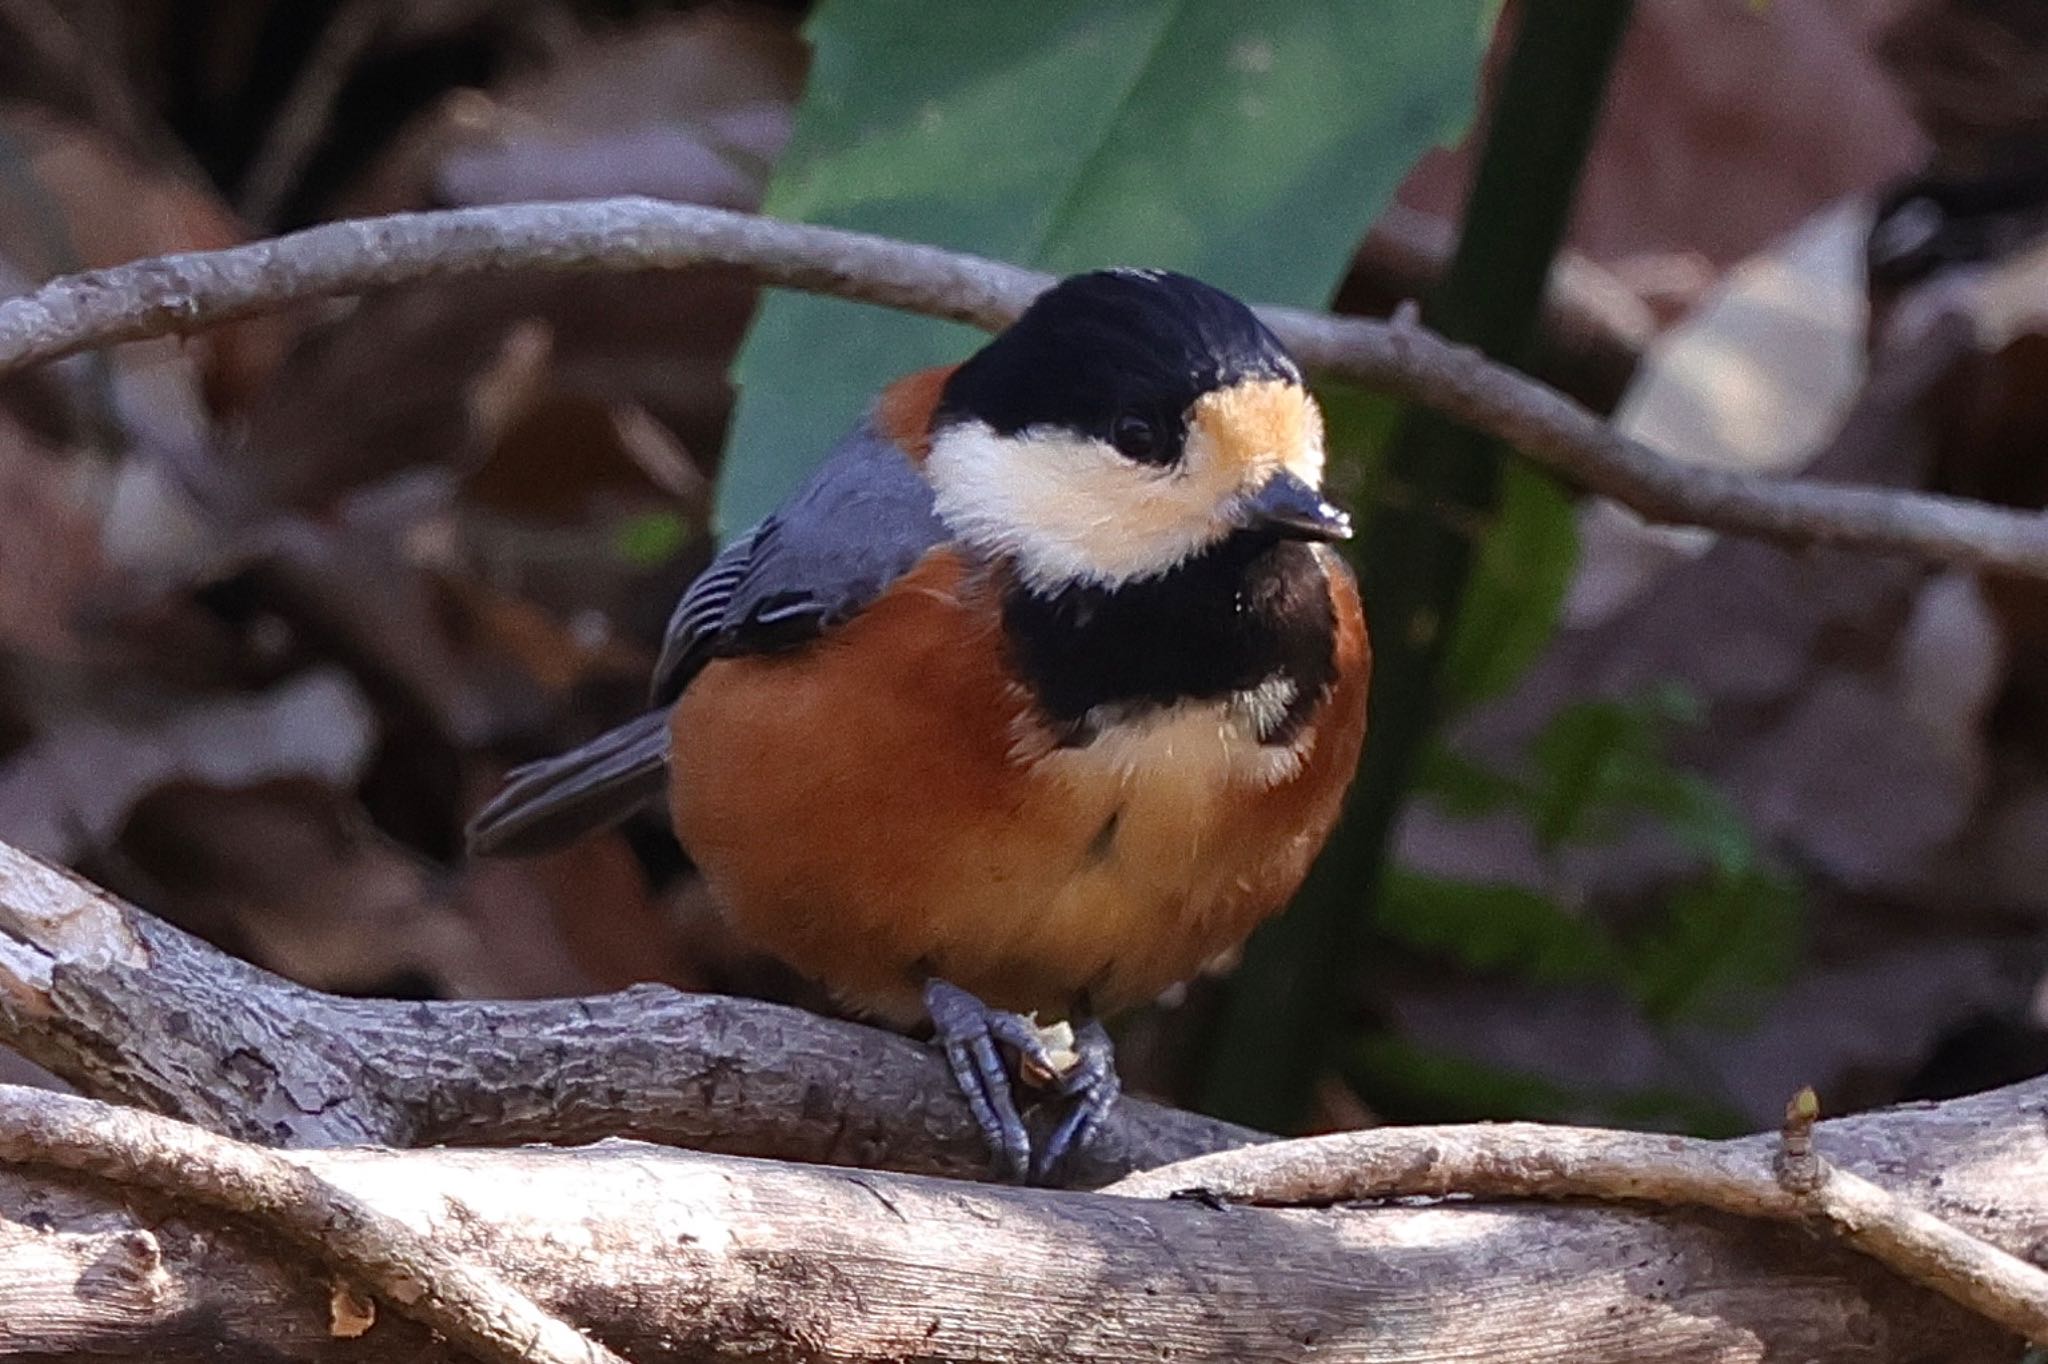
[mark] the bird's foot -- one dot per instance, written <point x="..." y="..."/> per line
<point x="972" y="1034"/>
<point x="1093" y="1086"/>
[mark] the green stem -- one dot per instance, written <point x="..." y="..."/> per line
<point x="1287" y="1001"/>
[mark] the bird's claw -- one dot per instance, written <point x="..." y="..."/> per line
<point x="1093" y="1085"/>
<point x="971" y="1033"/>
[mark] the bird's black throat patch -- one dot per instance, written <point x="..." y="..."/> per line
<point x="1241" y="613"/>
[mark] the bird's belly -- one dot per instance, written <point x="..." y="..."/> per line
<point x="1086" y="883"/>
<point x="877" y="811"/>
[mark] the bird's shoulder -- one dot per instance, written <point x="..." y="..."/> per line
<point x="861" y="521"/>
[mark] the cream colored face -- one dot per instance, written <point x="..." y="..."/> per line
<point x="1068" y="508"/>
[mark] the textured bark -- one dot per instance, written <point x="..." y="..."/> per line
<point x="663" y="1254"/>
<point x="128" y="1008"/>
<point x="1789" y="1182"/>
<point x="666" y="1255"/>
<point x="414" y="1266"/>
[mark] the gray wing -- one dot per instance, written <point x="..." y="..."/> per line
<point x="859" y="523"/>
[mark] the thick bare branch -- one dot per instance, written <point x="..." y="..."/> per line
<point x="412" y="1270"/>
<point x="128" y="1008"/>
<point x="1531" y="1160"/>
<point x="184" y="293"/>
<point x="669" y="1255"/>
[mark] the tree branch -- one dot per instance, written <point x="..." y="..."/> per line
<point x="184" y="293"/>
<point x="128" y="1008"/>
<point x="666" y="1255"/>
<point x="1746" y="1178"/>
<point x="669" y="1255"/>
<point x="409" y="1269"/>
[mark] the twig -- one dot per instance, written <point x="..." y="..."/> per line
<point x="184" y="293"/>
<point x="1783" y="1180"/>
<point x="416" y="1274"/>
<point x="302" y="120"/>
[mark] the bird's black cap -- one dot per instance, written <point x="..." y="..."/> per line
<point x="1112" y="344"/>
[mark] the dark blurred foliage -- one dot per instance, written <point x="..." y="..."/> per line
<point x="279" y="604"/>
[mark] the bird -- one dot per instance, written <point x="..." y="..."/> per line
<point x="1034" y="700"/>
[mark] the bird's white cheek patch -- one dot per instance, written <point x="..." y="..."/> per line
<point x="1068" y="508"/>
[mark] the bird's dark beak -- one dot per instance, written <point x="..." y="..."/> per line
<point x="1290" y="509"/>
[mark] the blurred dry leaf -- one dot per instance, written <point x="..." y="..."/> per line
<point x="1977" y="74"/>
<point x="1969" y="255"/>
<point x="289" y="874"/>
<point x="69" y="789"/>
<point x="557" y="658"/>
<point x="692" y="107"/>
<point x="355" y="596"/>
<point x="77" y="200"/>
<point x="1757" y="377"/>
<point x="1857" y="1022"/>
<point x="1848" y="708"/>
<point x="292" y="875"/>
<point x="571" y="922"/>
<point x="570" y="420"/>
<point x="425" y="21"/>
<point x="50" y="550"/>
<point x="82" y="202"/>
<point x="1726" y="127"/>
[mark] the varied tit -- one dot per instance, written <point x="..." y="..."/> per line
<point x="1037" y="697"/>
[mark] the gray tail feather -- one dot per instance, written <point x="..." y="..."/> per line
<point x="551" y="803"/>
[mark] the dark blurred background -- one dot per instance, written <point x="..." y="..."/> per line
<point x="1687" y="822"/>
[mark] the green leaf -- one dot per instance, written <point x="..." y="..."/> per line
<point x="1464" y="789"/>
<point x="1404" y="1082"/>
<point x="1526" y="556"/>
<point x="1516" y="589"/>
<point x="651" y="539"/>
<point x="1599" y="762"/>
<point x="1584" y="755"/>
<point x="1248" y="144"/>
<point x="1721" y="947"/>
<point x="1494" y="927"/>
<point x="1703" y="819"/>
<point x="1357" y="426"/>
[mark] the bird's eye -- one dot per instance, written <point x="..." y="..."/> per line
<point x="1134" y="437"/>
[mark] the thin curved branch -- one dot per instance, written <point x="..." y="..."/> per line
<point x="185" y="293"/>
<point x="411" y="1270"/>
<point x="1534" y="1160"/>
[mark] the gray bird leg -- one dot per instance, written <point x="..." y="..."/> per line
<point x="1093" y="1086"/>
<point x="972" y="1035"/>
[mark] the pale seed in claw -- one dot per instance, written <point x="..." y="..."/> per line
<point x="1059" y="1042"/>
